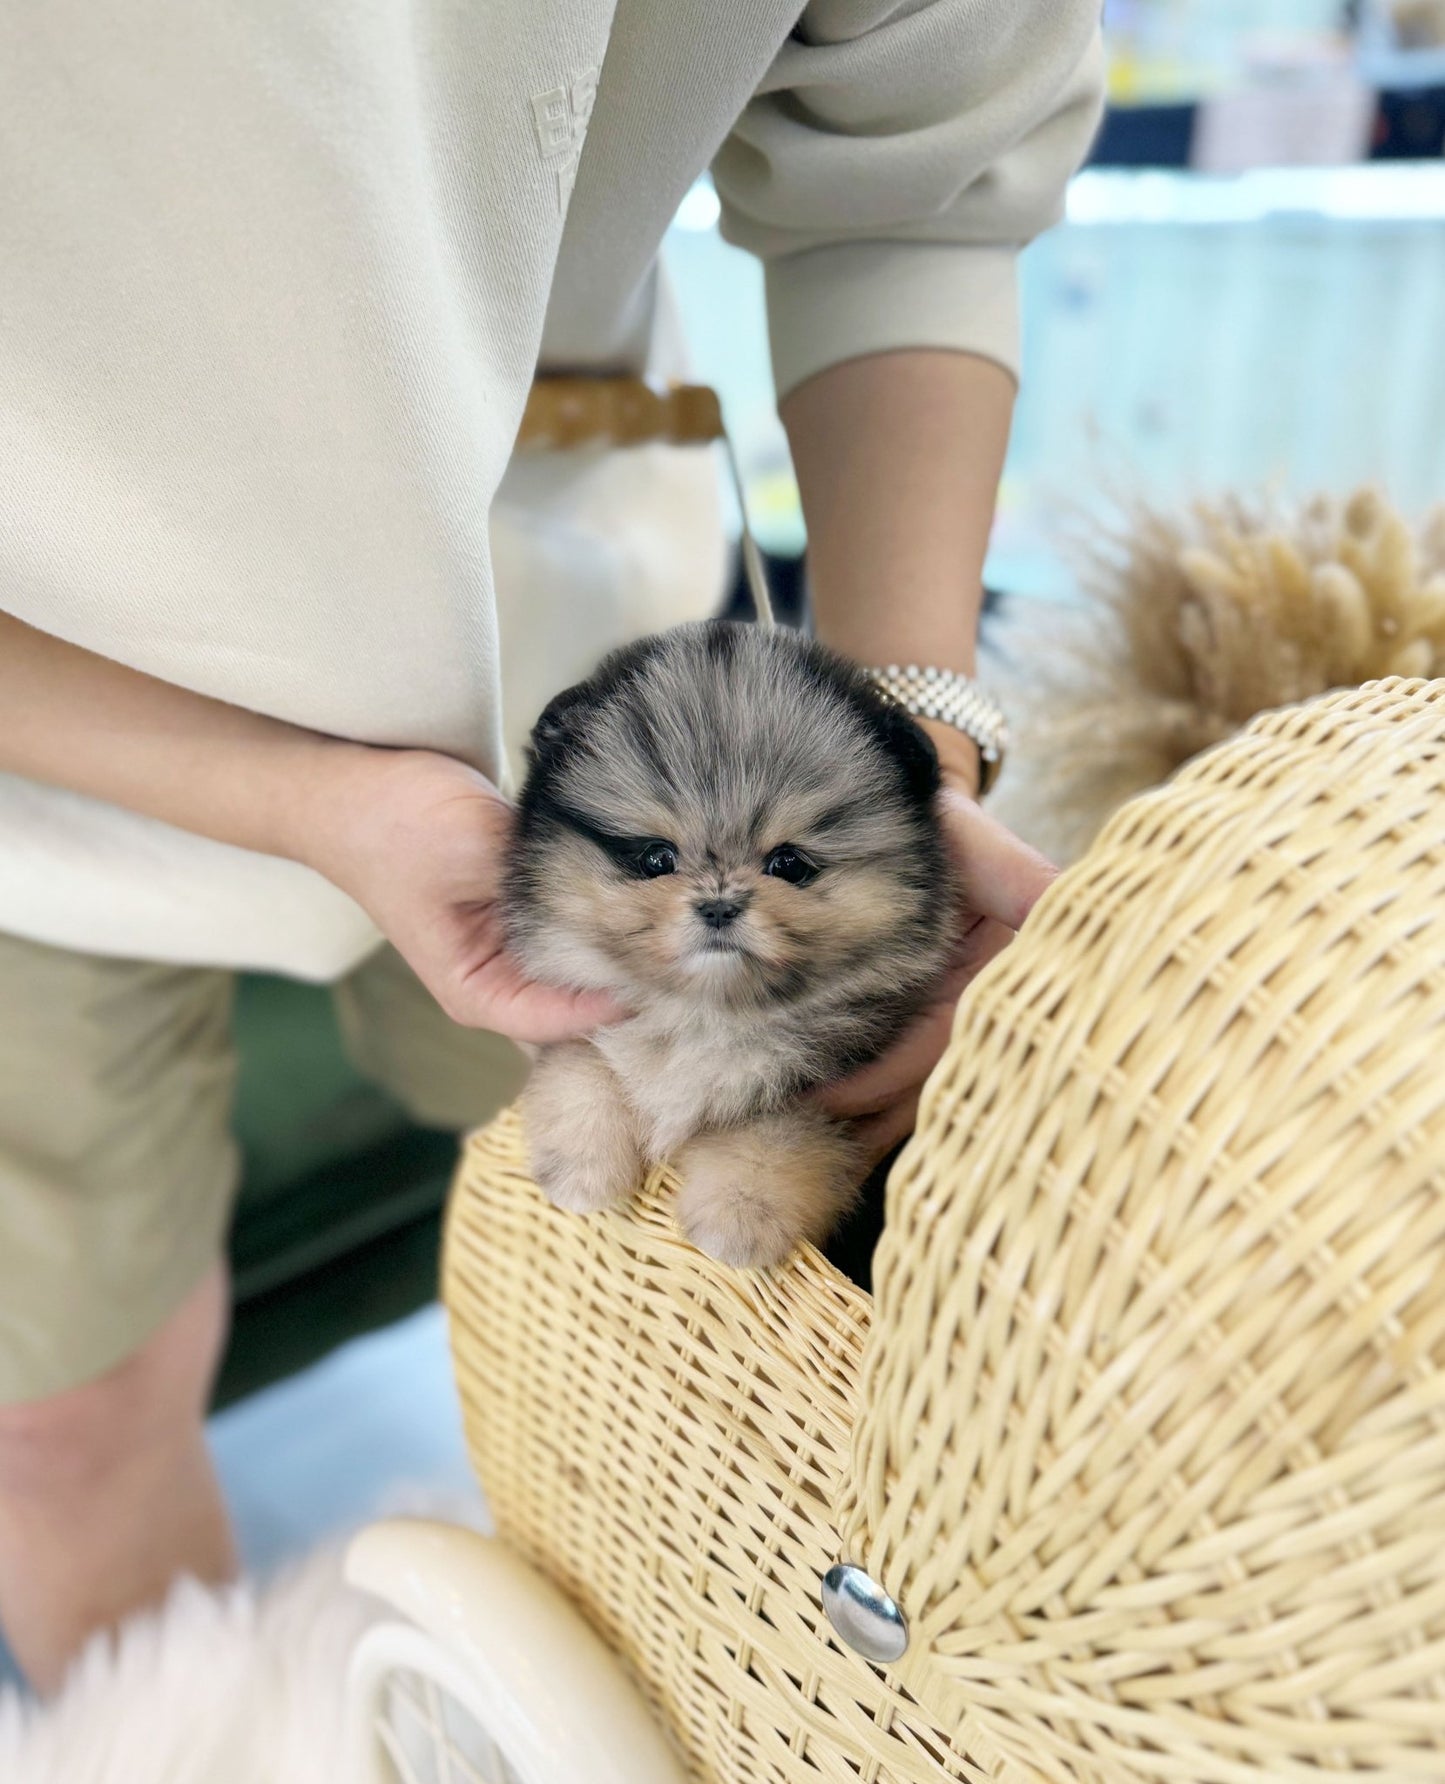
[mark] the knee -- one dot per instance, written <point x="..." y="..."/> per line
<point x="77" y="1441"/>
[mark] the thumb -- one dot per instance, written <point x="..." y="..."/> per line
<point x="511" y="1004"/>
<point x="541" y="1014"/>
<point x="999" y="875"/>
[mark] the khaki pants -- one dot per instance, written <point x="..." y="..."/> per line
<point x="117" y="1164"/>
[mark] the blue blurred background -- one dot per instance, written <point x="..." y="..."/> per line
<point x="1249" y="288"/>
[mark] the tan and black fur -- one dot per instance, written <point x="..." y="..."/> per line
<point x="729" y="829"/>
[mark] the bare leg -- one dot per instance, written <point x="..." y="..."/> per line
<point x="581" y="1134"/>
<point x="751" y="1195"/>
<point x="107" y="1492"/>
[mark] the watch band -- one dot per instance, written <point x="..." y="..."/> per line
<point x="956" y="700"/>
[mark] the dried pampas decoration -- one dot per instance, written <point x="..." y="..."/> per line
<point x="1190" y="625"/>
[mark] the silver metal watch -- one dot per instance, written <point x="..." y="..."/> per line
<point x="956" y="700"/>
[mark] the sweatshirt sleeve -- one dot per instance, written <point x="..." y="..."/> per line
<point x="893" y="162"/>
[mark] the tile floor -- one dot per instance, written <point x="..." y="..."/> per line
<point x="372" y="1426"/>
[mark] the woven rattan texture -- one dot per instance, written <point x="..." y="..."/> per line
<point x="1147" y="1435"/>
<point x="1154" y="1442"/>
<point x="664" y="1438"/>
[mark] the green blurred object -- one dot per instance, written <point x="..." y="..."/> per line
<point x="338" y="1224"/>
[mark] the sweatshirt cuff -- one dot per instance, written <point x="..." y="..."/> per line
<point x="826" y="305"/>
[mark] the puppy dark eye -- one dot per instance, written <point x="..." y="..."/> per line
<point x="657" y="859"/>
<point x="790" y="864"/>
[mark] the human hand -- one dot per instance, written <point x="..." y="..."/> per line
<point x="999" y="880"/>
<point x="419" y="840"/>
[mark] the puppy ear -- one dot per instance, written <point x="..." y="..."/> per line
<point x="912" y="748"/>
<point x="556" y="729"/>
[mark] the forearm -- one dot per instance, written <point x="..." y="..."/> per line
<point x="77" y="720"/>
<point x="418" y="839"/>
<point x="898" y="457"/>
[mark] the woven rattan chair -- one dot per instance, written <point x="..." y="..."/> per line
<point x="1145" y="1429"/>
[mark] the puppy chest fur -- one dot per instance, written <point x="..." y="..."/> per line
<point x="682" y="1080"/>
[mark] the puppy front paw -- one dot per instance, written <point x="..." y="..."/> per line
<point x="750" y="1196"/>
<point x="583" y="1185"/>
<point x="732" y="1224"/>
<point x="581" y="1138"/>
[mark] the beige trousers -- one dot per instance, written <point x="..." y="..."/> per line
<point x="118" y="1168"/>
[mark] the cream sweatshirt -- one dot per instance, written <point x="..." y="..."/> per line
<point x="275" y="277"/>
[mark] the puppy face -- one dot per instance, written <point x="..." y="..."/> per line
<point x="728" y="815"/>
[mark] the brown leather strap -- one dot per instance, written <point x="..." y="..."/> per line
<point x="562" y="413"/>
<point x="566" y="413"/>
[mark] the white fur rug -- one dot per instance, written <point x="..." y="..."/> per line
<point x="238" y="1686"/>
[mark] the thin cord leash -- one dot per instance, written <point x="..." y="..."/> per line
<point x="562" y="413"/>
<point x="754" y="568"/>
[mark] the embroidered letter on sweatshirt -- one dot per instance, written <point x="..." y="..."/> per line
<point x="561" y="116"/>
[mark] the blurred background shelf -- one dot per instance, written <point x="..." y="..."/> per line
<point x="1275" y="322"/>
<point x="1182" y="335"/>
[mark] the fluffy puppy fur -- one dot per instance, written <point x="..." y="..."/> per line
<point x="731" y="830"/>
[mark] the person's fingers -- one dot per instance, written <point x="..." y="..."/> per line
<point x="879" y="1134"/>
<point x="913" y="1056"/>
<point x="541" y="1014"/>
<point x="492" y="991"/>
<point x="503" y="998"/>
<point x="903" y="1066"/>
<point x="979" y="943"/>
<point x="999" y="876"/>
<point x="523" y="1010"/>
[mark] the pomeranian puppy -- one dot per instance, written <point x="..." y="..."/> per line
<point x="734" y="832"/>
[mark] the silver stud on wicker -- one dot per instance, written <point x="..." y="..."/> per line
<point x="863" y="1615"/>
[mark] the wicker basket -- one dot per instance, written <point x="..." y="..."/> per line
<point x="1146" y="1429"/>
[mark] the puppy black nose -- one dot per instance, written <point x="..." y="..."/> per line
<point x="717" y="913"/>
